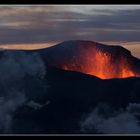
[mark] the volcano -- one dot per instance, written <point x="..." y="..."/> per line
<point x="103" y="61"/>
<point x="53" y="90"/>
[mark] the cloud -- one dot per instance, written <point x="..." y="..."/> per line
<point x="20" y="64"/>
<point x="14" y="66"/>
<point x="104" y="121"/>
<point x="26" y="24"/>
<point x="36" y="106"/>
<point x="7" y="107"/>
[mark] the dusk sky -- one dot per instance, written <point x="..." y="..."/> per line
<point x="42" y="26"/>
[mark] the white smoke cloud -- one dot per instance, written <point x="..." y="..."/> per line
<point x="119" y="122"/>
<point x="14" y="66"/>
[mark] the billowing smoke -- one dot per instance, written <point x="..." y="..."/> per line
<point x="7" y="107"/>
<point x="36" y="106"/>
<point x="103" y="120"/>
<point x="14" y="66"/>
<point x="17" y="64"/>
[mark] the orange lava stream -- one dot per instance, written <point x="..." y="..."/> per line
<point x="101" y="65"/>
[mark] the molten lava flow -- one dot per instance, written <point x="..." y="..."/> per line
<point x="126" y="70"/>
<point x="100" y="64"/>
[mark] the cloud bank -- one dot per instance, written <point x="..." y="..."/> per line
<point x="104" y="120"/>
<point x="13" y="69"/>
<point x="27" y="24"/>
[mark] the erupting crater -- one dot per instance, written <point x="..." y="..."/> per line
<point x="103" y="61"/>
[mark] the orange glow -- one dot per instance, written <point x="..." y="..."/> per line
<point x="100" y="64"/>
<point x="29" y="46"/>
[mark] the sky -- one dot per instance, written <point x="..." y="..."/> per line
<point x="29" y="27"/>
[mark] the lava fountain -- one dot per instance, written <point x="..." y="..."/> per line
<point x="103" y="61"/>
<point x="102" y="65"/>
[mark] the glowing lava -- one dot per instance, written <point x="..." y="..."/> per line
<point x="103" y="61"/>
<point x="101" y="64"/>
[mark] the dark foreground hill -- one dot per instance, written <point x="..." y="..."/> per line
<point x="69" y="98"/>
